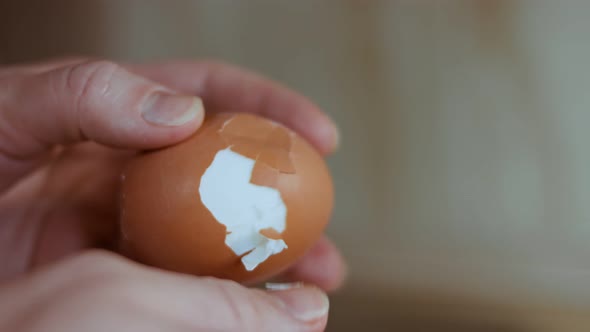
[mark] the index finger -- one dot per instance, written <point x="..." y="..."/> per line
<point x="224" y="87"/>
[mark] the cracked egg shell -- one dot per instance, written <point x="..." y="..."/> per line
<point x="242" y="199"/>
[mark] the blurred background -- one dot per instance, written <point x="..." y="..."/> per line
<point x="463" y="182"/>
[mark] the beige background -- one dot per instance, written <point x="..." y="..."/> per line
<point x="462" y="183"/>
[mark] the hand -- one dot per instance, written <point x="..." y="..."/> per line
<point x="67" y="127"/>
<point x="97" y="291"/>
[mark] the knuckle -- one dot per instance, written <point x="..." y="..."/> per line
<point x="91" y="80"/>
<point x="84" y="87"/>
<point x="242" y="308"/>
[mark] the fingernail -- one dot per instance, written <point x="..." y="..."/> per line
<point x="167" y="109"/>
<point x="304" y="303"/>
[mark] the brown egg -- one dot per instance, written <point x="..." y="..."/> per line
<point x="242" y="199"/>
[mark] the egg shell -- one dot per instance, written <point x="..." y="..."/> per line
<point x="164" y="223"/>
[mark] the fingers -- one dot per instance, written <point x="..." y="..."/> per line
<point x="181" y="302"/>
<point x="96" y="100"/>
<point x="227" y="88"/>
<point x="223" y="88"/>
<point x="322" y="266"/>
<point x="92" y="100"/>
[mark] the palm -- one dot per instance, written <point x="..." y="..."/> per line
<point x="66" y="206"/>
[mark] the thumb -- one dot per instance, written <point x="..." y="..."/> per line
<point x="92" y="100"/>
<point x="228" y="306"/>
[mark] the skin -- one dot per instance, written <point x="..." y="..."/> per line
<point x="66" y="128"/>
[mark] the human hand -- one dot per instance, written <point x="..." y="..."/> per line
<point x="67" y="127"/>
<point x="98" y="291"/>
